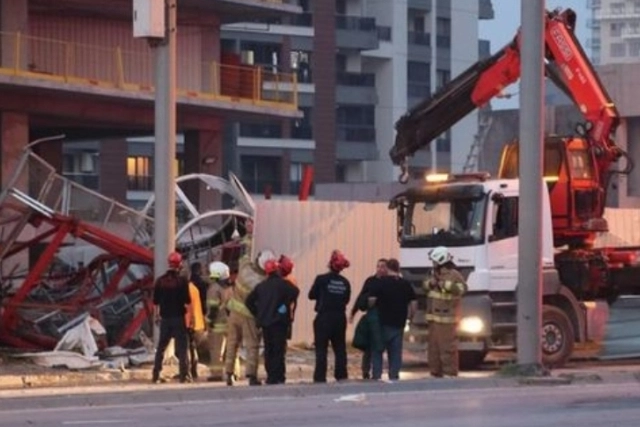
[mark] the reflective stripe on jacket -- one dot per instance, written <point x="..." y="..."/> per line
<point x="443" y="302"/>
<point x="234" y="305"/>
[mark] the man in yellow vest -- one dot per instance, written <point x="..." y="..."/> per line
<point x="444" y="289"/>
<point x="194" y="319"/>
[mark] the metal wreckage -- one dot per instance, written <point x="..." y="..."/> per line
<point x="68" y="253"/>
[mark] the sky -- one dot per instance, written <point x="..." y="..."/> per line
<point x="502" y="29"/>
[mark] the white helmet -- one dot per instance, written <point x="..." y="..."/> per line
<point x="219" y="270"/>
<point x="264" y="256"/>
<point x="440" y="255"/>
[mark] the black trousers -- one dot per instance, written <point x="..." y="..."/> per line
<point x="275" y="349"/>
<point x="330" y="328"/>
<point x="194" y="339"/>
<point x="173" y="327"/>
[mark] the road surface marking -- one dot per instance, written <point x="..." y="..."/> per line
<point x="85" y="422"/>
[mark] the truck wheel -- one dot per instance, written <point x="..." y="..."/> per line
<point x="557" y="337"/>
<point x="470" y="359"/>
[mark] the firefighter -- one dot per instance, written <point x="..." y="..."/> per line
<point x="444" y="290"/>
<point x="217" y="297"/>
<point x="170" y="299"/>
<point x="270" y="302"/>
<point x="331" y="292"/>
<point x="242" y="328"/>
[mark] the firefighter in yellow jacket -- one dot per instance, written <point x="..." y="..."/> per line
<point x="444" y="289"/>
<point x="242" y="328"/>
<point x="217" y="297"/>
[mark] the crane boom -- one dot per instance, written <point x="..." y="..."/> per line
<point x="566" y="65"/>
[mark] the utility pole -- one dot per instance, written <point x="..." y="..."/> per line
<point x="433" y="81"/>
<point x="165" y="145"/>
<point x="529" y="292"/>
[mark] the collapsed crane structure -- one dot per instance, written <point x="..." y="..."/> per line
<point x="90" y="255"/>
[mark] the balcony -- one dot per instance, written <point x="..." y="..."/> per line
<point x="88" y="180"/>
<point x="424" y="5"/>
<point x="631" y="33"/>
<point x="419" y="38"/>
<point x="112" y="71"/>
<point x="238" y="10"/>
<point x="354" y="32"/>
<point x="356" y="79"/>
<point x="356" y="88"/>
<point x="384" y="33"/>
<point x="617" y="15"/>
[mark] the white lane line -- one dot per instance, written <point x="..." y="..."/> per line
<point x="85" y="422"/>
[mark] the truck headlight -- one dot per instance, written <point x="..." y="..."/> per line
<point x="471" y="325"/>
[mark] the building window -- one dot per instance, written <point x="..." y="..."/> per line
<point x="296" y="172"/>
<point x="616" y="29"/>
<point x="302" y="128"/>
<point x="418" y="79"/>
<point x="634" y="48"/>
<point x="139" y="173"/>
<point x="617" y="8"/>
<point x="81" y="167"/>
<point x="261" y="174"/>
<point x="442" y="77"/>
<point x="356" y="123"/>
<point x="618" y="50"/>
<point x="301" y="65"/>
<point x="443" y="32"/>
<point x="636" y="6"/>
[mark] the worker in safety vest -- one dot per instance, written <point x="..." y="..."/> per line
<point x="444" y="290"/>
<point x="217" y="297"/>
<point x="242" y="328"/>
<point x="196" y="333"/>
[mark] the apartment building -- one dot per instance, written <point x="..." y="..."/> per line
<point x="360" y="65"/>
<point x="615" y="31"/>
<point x="73" y="67"/>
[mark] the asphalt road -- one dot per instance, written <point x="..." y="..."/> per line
<point x="432" y="403"/>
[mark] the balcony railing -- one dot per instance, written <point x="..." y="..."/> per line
<point x="112" y="67"/>
<point x="355" y="23"/>
<point x="419" y="38"/>
<point x="89" y="180"/>
<point x="384" y="33"/>
<point x="356" y="79"/>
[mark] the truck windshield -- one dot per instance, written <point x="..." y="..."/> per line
<point x="454" y="222"/>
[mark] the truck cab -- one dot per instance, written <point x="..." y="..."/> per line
<point x="476" y="218"/>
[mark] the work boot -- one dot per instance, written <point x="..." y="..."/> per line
<point x="253" y="380"/>
<point x="230" y="379"/>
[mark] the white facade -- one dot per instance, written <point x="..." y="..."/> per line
<point x="615" y="31"/>
<point x="464" y="53"/>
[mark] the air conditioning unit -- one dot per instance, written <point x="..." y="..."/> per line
<point x="87" y="162"/>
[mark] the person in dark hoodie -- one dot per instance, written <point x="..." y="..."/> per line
<point x="270" y="303"/>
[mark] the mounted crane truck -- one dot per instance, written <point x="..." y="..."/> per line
<point x="476" y="216"/>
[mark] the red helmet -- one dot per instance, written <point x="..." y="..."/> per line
<point x="338" y="261"/>
<point x="286" y="265"/>
<point x="271" y="266"/>
<point x="174" y="260"/>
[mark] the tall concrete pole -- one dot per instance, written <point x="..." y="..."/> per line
<point x="165" y="145"/>
<point x="433" y="81"/>
<point x="529" y="294"/>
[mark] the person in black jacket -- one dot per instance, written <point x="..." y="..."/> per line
<point x="331" y="292"/>
<point x="362" y="304"/>
<point x="170" y="298"/>
<point x="270" y="303"/>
